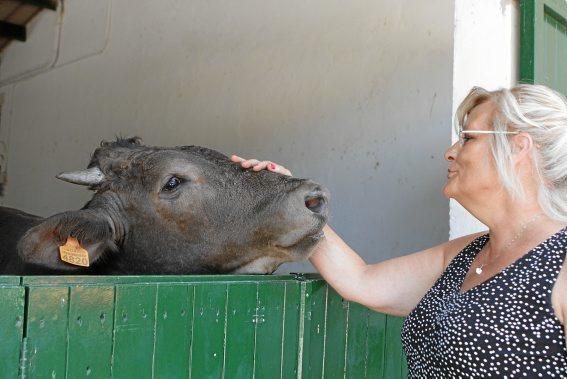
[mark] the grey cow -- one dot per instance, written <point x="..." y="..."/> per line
<point x="182" y="210"/>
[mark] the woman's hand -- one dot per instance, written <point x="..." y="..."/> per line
<point x="257" y="165"/>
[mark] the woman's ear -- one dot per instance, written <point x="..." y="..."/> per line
<point x="522" y="145"/>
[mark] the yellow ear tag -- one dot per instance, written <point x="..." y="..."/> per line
<point x="73" y="253"/>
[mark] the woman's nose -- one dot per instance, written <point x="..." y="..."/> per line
<point x="451" y="152"/>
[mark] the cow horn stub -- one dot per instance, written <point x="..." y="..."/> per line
<point x="89" y="177"/>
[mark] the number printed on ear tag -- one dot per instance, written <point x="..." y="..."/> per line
<point x="73" y="253"/>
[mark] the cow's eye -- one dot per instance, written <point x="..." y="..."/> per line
<point x="172" y="184"/>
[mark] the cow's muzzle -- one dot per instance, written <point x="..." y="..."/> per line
<point x="316" y="201"/>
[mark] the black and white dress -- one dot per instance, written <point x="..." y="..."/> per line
<point x="504" y="327"/>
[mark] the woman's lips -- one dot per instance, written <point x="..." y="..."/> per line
<point x="451" y="173"/>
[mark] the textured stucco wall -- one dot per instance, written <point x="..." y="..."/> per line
<point x="356" y="95"/>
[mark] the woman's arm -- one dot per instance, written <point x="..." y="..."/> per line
<point x="559" y="298"/>
<point x="394" y="286"/>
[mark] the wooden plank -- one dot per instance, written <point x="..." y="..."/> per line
<point x="543" y="42"/>
<point x="376" y="345"/>
<point x="173" y="330"/>
<point x="527" y="40"/>
<point x="291" y="330"/>
<point x="46" y="332"/>
<point x="134" y="320"/>
<point x="357" y="333"/>
<point x="13" y="31"/>
<point x="47" y="4"/>
<point x="9" y="280"/>
<point x="335" y="335"/>
<point x="23" y="14"/>
<point x="270" y="330"/>
<point x="11" y="329"/>
<point x="140" y="279"/>
<point x="562" y="59"/>
<point x="393" y="356"/>
<point x="549" y="57"/>
<point x="242" y="318"/>
<point x="7" y="7"/>
<point x="555" y="51"/>
<point x="314" y="337"/>
<point x="209" y="331"/>
<point x="90" y="330"/>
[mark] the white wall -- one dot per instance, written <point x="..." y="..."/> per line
<point x="485" y="55"/>
<point x="356" y="95"/>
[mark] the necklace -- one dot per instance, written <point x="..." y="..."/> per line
<point x="523" y="228"/>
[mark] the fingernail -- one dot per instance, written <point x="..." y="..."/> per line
<point x="272" y="166"/>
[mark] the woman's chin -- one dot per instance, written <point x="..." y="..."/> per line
<point x="447" y="191"/>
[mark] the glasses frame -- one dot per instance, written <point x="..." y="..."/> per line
<point x="462" y="133"/>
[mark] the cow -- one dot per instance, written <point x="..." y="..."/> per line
<point x="159" y="210"/>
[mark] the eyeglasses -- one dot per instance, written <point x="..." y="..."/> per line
<point x="462" y="133"/>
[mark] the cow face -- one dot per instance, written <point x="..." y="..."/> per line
<point x="182" y="210"/>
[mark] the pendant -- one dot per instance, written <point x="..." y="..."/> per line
<point x="478" y="270"/>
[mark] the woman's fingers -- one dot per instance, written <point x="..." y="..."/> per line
<point x="257" y="165"/>
<point x="236" y="158"/>
<point x="262" y="166"/>
<point x="279" y="169"/>
<point x="249" y="163"/>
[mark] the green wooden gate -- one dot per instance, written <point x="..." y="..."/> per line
<point x="543" y="43"/>
<point x="191" y="327"/>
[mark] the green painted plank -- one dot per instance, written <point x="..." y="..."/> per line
<point x="173" y="330"/>
<point x="90" y="329"/>
<point x="209" y="331"/>
<point x="563" y="58"/>
<point x="394" y="358"/>
<point x="555" y="52"/>
<point x="9" y="280"/>
<point x="11" y="329"/>
<point x="376" y="345"/>
<point x="543" y="43"/>
<point x="46" y="332"/>
<point x="314" y="337"/>
<point x="291" y="331"/>
<point x="269" y="330"/>
<point x="135" y="279"/>
<point x="242" y="317"/>
<point x="134" y="320"/>
<point x="527" y="40"/>
<point x="335" y="335"/>
<point x="549" y="51"/>
<point x="356" y="354"/>
<point x="404" y="368"/>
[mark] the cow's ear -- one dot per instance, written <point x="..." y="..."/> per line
<point x="40" y="245"/>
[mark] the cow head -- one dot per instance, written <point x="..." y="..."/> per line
<point x="181" y="210"/>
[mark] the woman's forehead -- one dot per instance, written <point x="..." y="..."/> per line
<point x="480" y="117"/>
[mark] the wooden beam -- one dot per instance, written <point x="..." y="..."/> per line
<point x="13" y="31"/>
<point x="48" y="4"/>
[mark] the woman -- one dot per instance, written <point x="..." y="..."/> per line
<point x="486" y="304"/>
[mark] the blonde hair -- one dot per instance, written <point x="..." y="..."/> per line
<point x="542" y="113"/>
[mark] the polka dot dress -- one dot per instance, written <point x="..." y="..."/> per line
<point x="504" y="327"/>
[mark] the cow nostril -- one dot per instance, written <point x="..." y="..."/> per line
<point x="315" y="203"/>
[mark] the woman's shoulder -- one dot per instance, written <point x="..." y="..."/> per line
<point x="455" y="246"/>
<point x="559" y="295"/>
